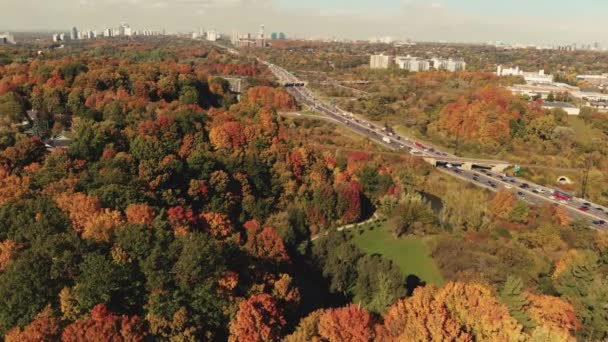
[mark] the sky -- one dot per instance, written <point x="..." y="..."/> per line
<point x="523" y="21"/>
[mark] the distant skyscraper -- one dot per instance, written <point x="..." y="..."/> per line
<point x="262" y="36"/>
<point x="212" y="35"/>
<point x="7" y="38"/>
<point x="274" y="36"/>
<point x="74" y="33"/>
<point x="282" y="35"/>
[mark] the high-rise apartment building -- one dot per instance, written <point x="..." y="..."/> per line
<point x="380" y="61"/>
<point x="413" y="64"/>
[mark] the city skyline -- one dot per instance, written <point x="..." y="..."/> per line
<point x="540" y="22"/>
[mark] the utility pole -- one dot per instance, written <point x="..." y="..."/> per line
<point x="585" y="180"/>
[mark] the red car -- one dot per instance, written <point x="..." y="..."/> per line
<point x="585" y="209"/>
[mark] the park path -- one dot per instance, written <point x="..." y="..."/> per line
<point x="374" y="218"/>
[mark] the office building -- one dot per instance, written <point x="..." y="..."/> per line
<point x="380" y="61"/>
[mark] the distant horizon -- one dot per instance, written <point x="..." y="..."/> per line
<point x="226" y="34"/>
<point x="541" y="22"/>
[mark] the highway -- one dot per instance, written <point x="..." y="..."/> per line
<point x="524" y="190"/>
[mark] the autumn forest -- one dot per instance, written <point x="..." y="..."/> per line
<point x="181" y="210"/>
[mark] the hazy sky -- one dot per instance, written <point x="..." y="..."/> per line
<point x="535" y="21"/>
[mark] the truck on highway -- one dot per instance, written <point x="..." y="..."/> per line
<point x="386" y="140"/>
<point x="560" y="195"/>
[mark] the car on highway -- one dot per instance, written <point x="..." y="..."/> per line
<point x="449" y="166"/>
<point x="587" y="204"/>
<point x="599" y="222"/>
<point x="583" y="209"/>
<point x="521" y="194"/>
<point x="539" y="191"/>
<point x="524" y="186"/>
<point x="507" y="186"/>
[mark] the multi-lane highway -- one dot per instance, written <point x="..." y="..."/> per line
<point x="524" y="190"/>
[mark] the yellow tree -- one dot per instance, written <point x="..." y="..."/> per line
<point x="502" y="204"/>
<point x="553" y="313"/>
<point x="420" y="318"/>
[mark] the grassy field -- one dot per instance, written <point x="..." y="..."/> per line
<point x="411" y="254"/>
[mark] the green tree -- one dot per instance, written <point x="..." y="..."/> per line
<point x="102" y="281"/>
<point x="411" y="215"/>
<point x="25" y="289"/>
<point x="338" y="259"/>
<point x="373" y="183"/>
<point x="586" y="287"/>
<point x="189" y="95"/>
<point x="379" y="283"/>
<point x="520" y="212"/>
<point x="513" y="296"/>
<point x="464" y="209"/>
<point x="12" y="108"/>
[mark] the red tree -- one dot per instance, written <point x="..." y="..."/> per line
<point x="104" y="325"/>
<point x="349" y="323"/>
<point x="259" y="319"/>
<point x="265" y="243"/>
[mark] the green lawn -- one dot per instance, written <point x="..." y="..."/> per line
<point x="411" y="254"/>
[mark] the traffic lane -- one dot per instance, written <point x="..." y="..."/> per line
<point x="546" y="197"/>
<point x="483" y="180"/>
<point x="358" y="124"/>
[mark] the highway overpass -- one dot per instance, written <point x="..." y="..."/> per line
<point x="468" y="164"/>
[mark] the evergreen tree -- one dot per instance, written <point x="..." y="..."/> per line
<point x="513" y="297"/>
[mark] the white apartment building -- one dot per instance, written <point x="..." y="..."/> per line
<point x="538" y="77"/>
<point x="413" y="64"/>
<point x="213" y="35"/>
<point x="380" y="61"/>
<point x="449" y="64"/>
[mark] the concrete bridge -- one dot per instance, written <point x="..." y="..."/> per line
<point x="294" y="84"/>
<point x="469" y="163"/>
